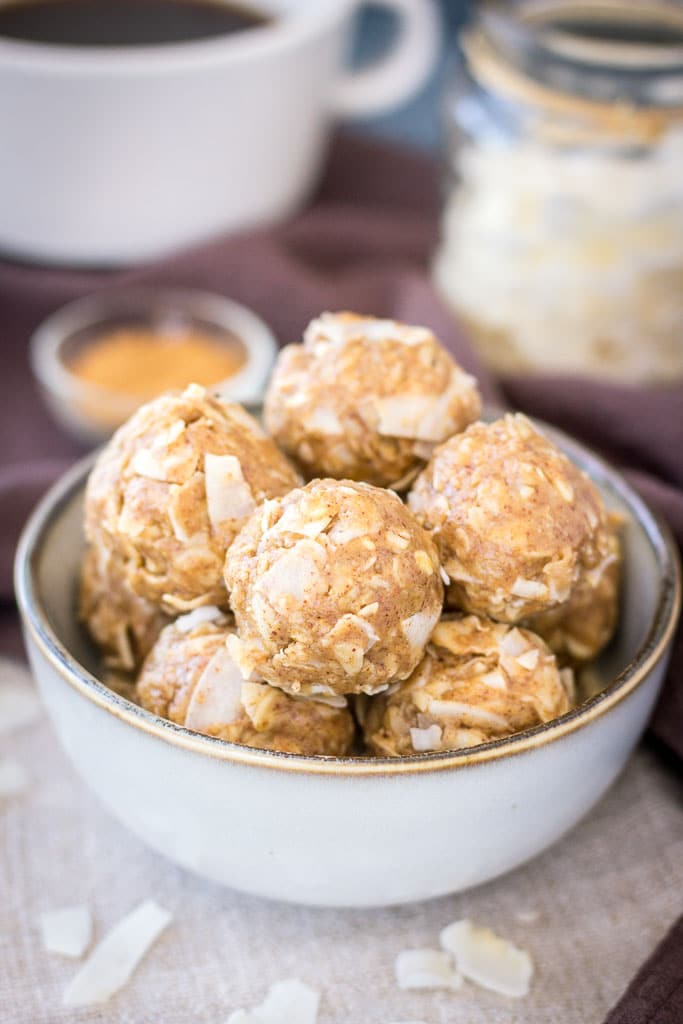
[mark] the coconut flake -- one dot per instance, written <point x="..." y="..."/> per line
<point x="332" y="700"/>
<point x="529" y="659"/>
<point x="67" y="931"/>
<point x="514" y="643"/>
<point x="228" y="495"/>
<point x="323" y="420"/>
<point x="494" y="679"/>
<point x="295" y="573"/>
<point x="217" y="697"/>
<point x="489" y="961"/>
<point x="19" y="702"/>
<point x="287" y="1002"/>
<point x="207" y="613"/>
<point x="459" y="709"/>
<point x="400" y="415"/>
<point x="426" y="968"/>
<point x="419" y="627"/>
<point x="528" y="588"/>
<point x="147" y="463"/>
<point x="426" y="739"/>
<point x="114" y="959"/>
<point x="13" y="778"/>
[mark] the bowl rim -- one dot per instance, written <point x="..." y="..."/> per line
<point x="653" y="648"/>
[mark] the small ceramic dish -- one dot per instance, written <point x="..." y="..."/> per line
<point x="91" y="413"/>
<point x="341" y="831"/>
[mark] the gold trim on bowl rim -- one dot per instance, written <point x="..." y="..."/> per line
<point x="652" y="650"/>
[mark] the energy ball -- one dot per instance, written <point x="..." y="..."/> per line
<point x="516" y="523"/>
<point x="479" y="680"/>
<point x="190" y="678"/>
<point x="123" y="625"/>
<point x="578" y="630"/>
<point x="171" y="490"/>
<point x="335" y="588"/>
<point x="367" y="399"/>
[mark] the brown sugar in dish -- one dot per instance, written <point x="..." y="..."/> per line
<point x="190" y="678"/>
<point x="142" y="362"/>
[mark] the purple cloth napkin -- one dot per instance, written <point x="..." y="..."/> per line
<point x="364" y="244"/>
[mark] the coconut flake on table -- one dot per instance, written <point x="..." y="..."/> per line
<point x="115" y="958"/>
<point x="13" y="778"/>
<point x="287" y="1002"/>
<point x="67" y="931"/>
<point x="217" y="697"/>
<point x="19" y="702"/>
<point x="426" y="968"/>
<point x="488" y="960"/>
<point x="228" y="495"/>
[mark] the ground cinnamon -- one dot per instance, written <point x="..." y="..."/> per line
<point x="141" y="362"/>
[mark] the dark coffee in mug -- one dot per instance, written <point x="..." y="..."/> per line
<point x="125" y="22"/>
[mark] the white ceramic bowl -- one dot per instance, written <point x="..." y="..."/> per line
<point x="336" y="831"/>
<point x="91" y="413"/>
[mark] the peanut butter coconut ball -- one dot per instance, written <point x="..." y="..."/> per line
<point x="123" y="625"/>
<point x="367" y="399"/>
<point x="516" y="523"/>
<point x="578" y="630"/>
<point x="335" y="589"/>
<point x="479" y="680"/>
<point x="171" y="490"/>
<point x="190" y="678"/>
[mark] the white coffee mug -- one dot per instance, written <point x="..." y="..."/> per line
<point x="118" y="155"/>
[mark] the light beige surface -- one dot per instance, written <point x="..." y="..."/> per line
<point x="604" y="897"/>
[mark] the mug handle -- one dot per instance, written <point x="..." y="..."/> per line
<point x="395" y="77"/>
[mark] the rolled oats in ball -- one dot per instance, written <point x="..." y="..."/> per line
<point x="367" y="399"/>
<point x="190" y="678"/>
<point x="123" y="625"/>
<point x="479" y="680"/>
<point x="335" y="589"/>
<point x="578" y="630"/>
<point x="516" y="523"/>
<point x="171" y="490"/>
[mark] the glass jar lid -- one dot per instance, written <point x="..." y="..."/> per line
<point x="607" y="67"/>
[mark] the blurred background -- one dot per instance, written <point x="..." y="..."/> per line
<point x="418" y="121"/>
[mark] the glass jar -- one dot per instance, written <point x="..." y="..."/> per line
<point x="562" y="234"/>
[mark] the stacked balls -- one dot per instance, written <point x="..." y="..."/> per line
<point x="268" y="612"/>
